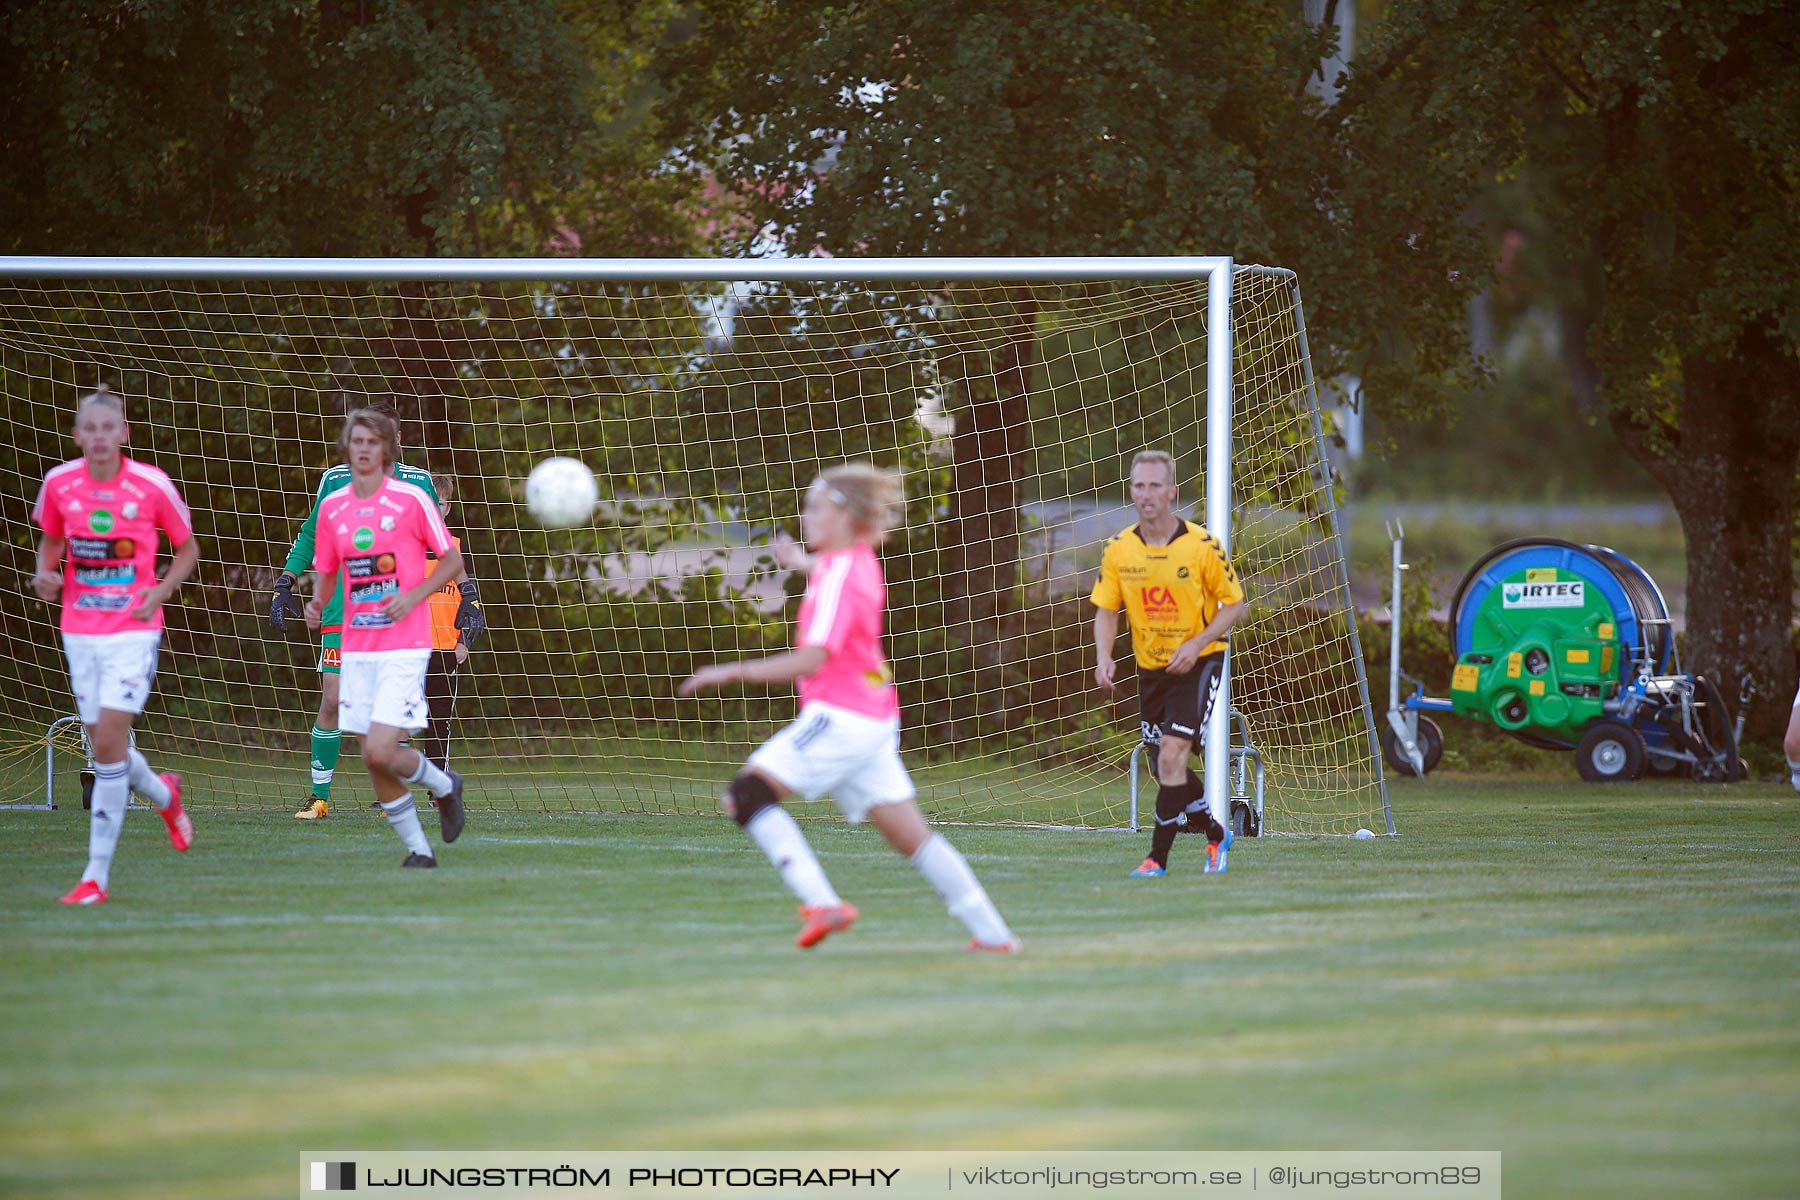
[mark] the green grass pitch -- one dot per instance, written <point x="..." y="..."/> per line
<point x="1600" y="983"/>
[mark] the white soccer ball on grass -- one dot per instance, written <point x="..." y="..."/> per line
<point x="561" y="493"/>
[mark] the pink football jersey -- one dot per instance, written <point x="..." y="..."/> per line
<point x="112" y="530"/>
<point x="380" y="543"/>
<point x="843" y="609"/>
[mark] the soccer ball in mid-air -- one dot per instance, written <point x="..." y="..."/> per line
<point x="561" y="492"/>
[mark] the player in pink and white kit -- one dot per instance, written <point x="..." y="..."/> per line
<point x="846" y="740"/>
<point x="378" y="530"/>
<point x="106" y="511"/>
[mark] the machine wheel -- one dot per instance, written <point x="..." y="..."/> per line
<point x="1714" y="770"/>
<point x="1610" y="752"/>
<point x="1431" y="747"/>
<point x="1721" y="738"/>
<point x="1243" y="820"/>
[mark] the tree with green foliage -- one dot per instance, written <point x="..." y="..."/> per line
<point x="1665" y="140"/>
<point x="1143" y="128"/>
<point x="313" y="127"/>
<point x="340" y="128"/>
<point x="347" y="128"/>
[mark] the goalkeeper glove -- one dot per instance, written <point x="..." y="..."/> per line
<point x="469" y="617"/>
<point x="283" y="604"/>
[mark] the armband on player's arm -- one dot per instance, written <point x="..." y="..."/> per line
<point x="282" y="603"/>
<point x="469" y="616"/>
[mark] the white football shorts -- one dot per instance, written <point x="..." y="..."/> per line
<point x="111" y="670"/>
<point x="828" y="750"/>
<point x="383" y="687"/>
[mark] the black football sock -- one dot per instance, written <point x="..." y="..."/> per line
<point x="1169" y="799"/>
<point x="1196" y="794"/>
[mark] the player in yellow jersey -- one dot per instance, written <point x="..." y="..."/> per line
<point x="1181" y="595"/>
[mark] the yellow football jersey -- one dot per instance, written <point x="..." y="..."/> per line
<point x="1169" y="593"/>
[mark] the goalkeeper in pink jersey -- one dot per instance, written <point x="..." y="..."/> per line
<point x="846" y="740"/>
<point x="377" y="529"/>
<point x="106" y="511"/>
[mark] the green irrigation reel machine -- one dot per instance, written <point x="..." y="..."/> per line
<point x="1566" y="647"/>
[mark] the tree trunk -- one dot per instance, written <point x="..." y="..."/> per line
<point x="989" y="452"/>
<point x="426" y="352"/>
<point x="425" y="359"/>
<point x="1731" y="476"/>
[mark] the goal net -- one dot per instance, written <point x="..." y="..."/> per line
<point x="705" y="397"/>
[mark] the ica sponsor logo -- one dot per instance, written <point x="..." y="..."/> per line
<point x="1158" y="601"/>
<point x="1565" y="593"/>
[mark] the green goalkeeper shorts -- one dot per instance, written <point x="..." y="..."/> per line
<point x="331" y="656"/>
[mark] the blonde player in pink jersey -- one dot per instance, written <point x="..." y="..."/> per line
<point x="377" y="529"/>
<point x="106" y="511"/>
<point x="846" y="740"/>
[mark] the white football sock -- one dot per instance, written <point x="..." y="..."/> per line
<point x="780" y="838"/>
<point x="148" y="783"/>
<point x="112" y="792"/>
<point x="431" y="775"/>
<point x="948" y="871"/>
<point x="403" y="815"/>
<point x="1794" y="773"/>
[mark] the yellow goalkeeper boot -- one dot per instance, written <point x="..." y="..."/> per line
<point x="315" y="810"/>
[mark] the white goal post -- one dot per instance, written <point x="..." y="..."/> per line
<point x="703" y="391"/>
